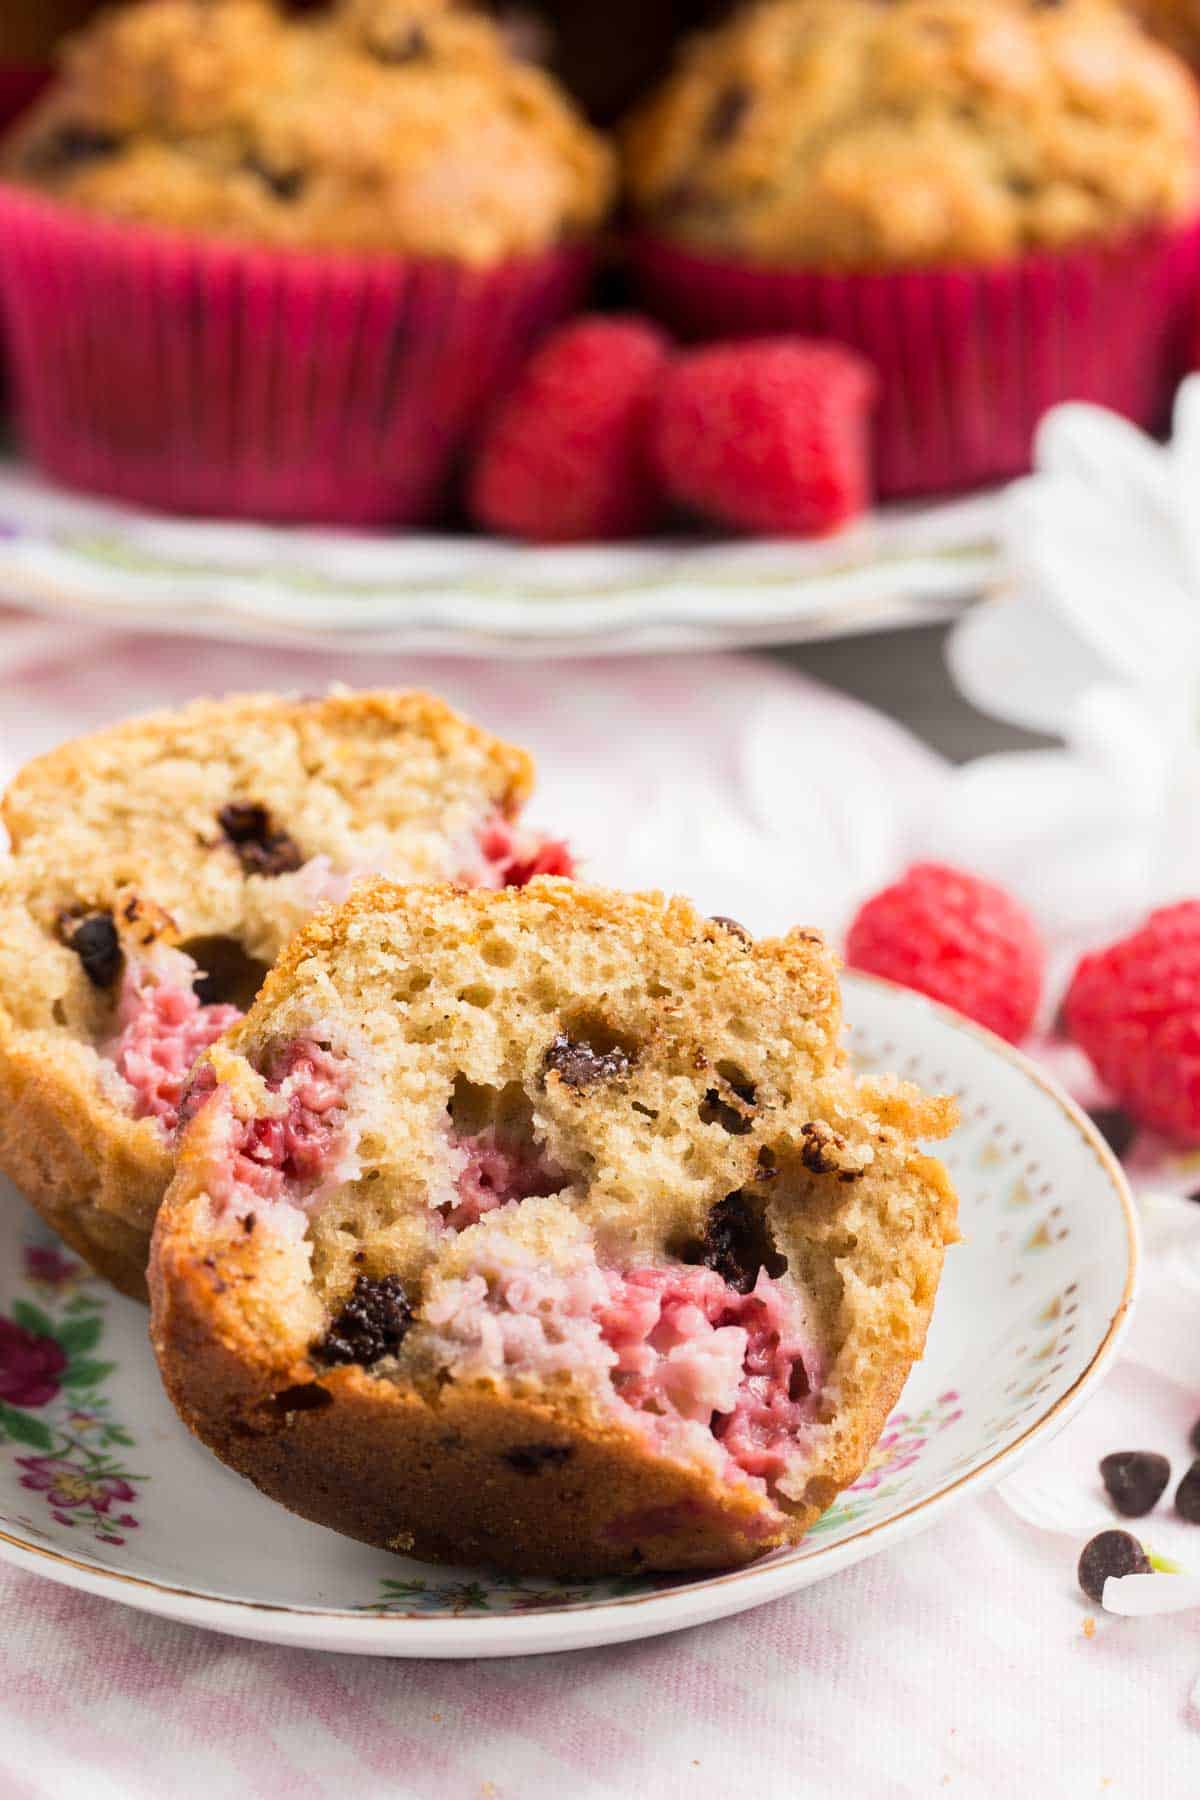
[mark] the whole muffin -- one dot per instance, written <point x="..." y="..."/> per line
<point x="374" y="210"/>
<point x="825" y="139"/>
<point x="393" y="125"/>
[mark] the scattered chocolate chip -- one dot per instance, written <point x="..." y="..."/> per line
<point x="726" y="114"/>
<point x="821" y="1148"/>
<point x="1135" y="1480"/>
<point x="531" y="1459"/>
<point x="1187" y="1495"/>
<point x="69" y="148"/>
<point x="372" y="1323"/>
<point x="261" y="849"/>
<point x="306" y="1396"/>
<point x="410" y="45"/>
<point x="799" y="1386"/>
<point x="285" y="184"/>
<point x="95" y="942"/>
<point x="248" y="1224"/>
<point x="737" y="1243"/>
<point x="732" y="925"/>
<point x="579" y="1066"/>
<point x="1115" y="1126"/>
<point x="1114" y="1553"/>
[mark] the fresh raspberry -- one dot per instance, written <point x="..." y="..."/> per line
<point x="957" y="938"/>
<point x="769" y="435"/>
<point x="1135" y="1009"/>
<point x="566" y="457"/>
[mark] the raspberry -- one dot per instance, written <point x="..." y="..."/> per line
<point x="567" y="458"/>
<point x="1135" y="1009"/>
<point x="770" y="435"/>
<point x="960" y="940"/>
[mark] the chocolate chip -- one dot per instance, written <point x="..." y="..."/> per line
<point x="726" y="114"/>
<point x="373" y="1323"/>
<point x="306" y="1396"/>
<point x="531" y="1459"/>
<point x="821" y="1148"/>
<point x="1115" y="1127"/>
<point x="69" y="148"/>
<point x="577" y="1065"/>
<point x="1187" y="1495"/>
<point x="1135" y="1480"/>
<point x="737" y="1243"/>
<point x="95" y="942"/>
<point x="411" y="45"/>
<point x="1113" y="1553"/>
<point x="799" y="1386"/>
<point x="285" y="184"/>
<point x="261" y="849"/>
<point x="732" y="925"/>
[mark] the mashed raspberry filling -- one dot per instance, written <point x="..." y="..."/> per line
<point x="676" y="1345"/>
<point x="294" y="1153"/>
<point x="511" y="858"/>
<point x="690" y="1346"/>
<point x="495" y="1171"/>
<point x="162" y="1029"/>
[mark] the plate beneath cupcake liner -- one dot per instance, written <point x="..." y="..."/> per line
<point x="64" y="554"/>
<point x="102" y="1488"/>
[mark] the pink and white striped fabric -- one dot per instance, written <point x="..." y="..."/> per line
<point x="958" y="1662"/>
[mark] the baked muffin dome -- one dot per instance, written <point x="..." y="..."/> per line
<point x="401" y="126"/>
<point x="157" y="870"/>
<point x="546" y="1229"/>
<point x="849" y="135"/>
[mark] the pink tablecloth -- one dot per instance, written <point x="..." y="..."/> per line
<point x="958" y="1662"/>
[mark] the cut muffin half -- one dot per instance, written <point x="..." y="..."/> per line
<point x="157" y="869"/>
<point x="546" y="1229"/>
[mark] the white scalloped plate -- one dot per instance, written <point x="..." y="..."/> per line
<point x="64" y="554"/>
<point x="102" y="1488"/>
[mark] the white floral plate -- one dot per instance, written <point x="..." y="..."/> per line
<point x="67" y="555"/>
<point x="102" y="1488"/>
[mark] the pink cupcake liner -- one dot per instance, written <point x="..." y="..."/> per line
<point x="969" y="358"/>
<point x="211" y="377"/>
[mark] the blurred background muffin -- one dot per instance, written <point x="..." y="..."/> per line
<point x="276" y="266"/>
<point x="995" y="200"/>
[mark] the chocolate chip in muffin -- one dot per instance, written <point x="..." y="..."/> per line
<point x="1135" y="1480"/>
<point x="1115" y="1127"/>
<point x="578" y="1065"/>
<point x="1114" y="1553"/>
<point x="261" y="849"/>
<point x="737" y="1244"/>
<point x="531" y="1459"/>
<point x="285" y="184"/>
<point x="821" y="1148"/>
<point x="373" y="1323"/>
<point x="69" y="147"/>
<point x="408" y="44"/>
<point x="1187" y="1495"/>
<point x="95" y="942"/>
<point x="727" y="112"/>
<point x="732" y="925"/>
